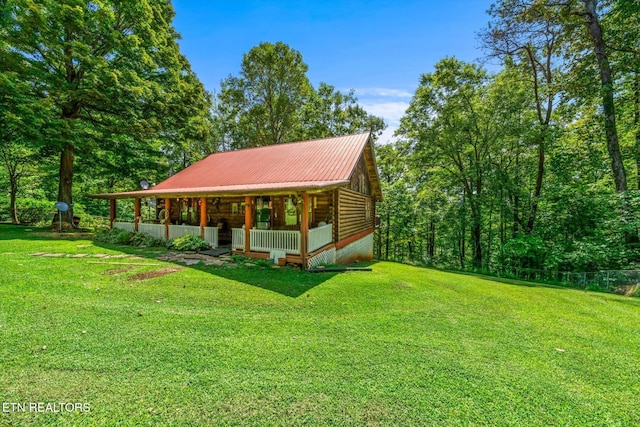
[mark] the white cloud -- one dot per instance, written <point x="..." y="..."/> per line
<point x="383" y="92"/>
<point x="387" y="135"/>
<point x="392" y="112"/>
<point x="388" y="103"/>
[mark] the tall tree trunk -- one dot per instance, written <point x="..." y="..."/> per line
<point x="538" y="189"/>
<point x="431" y="243"/>
<point x="463" y="233"/>
<point x="636" y="121"/>
<point x="66" y="181"/>
<point x="387" y="237"/>
<point x="13" y="182"/>
<point x="608" y="106"/>
<point x="606" y="83"/>
<point x="516" y="198"/>
<point x="476" y="236"/>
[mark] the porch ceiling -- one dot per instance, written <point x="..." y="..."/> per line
<point x="272" y="189"/>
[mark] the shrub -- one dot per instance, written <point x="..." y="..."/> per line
<point x="187" y="243"/>
<point x="34" y="211"/>
<point x="145" y="239"/>
<point x="107" y="235"/>
<point x="124" y="237"/>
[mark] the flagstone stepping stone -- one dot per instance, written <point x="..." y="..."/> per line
<point x="196" y="256"/>
<point x="83" y="246"/>
<point x="7" y="253"/>
<point x="190" y="261"/>
<point x="216" y="262"/>
<point x="53" y="255"/>
<point x="100" y="256"/>
<point x="39" y="253"/>
<point x="119" y="256"/>
<point x="78" y="255"/>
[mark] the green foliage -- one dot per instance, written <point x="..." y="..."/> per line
<point x="261" y="106"/>
<point x="33" y="211"/>
<point x="113" y="235"/>
<point x="145" y="240"/>
<point x="272" y="101"/>
<point x="122" y="237"/>
<point x="187" y="243"/>
<point x="119" y="95"/>
<point x="523" y="251"/>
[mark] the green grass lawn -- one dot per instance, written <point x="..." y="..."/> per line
<point x="251" y="346"/>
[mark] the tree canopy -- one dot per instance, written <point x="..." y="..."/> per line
<point x="113" y="78"/>
<point x="272" y="101"/>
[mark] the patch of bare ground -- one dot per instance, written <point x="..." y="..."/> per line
<point x="117" y="271"/>
<point x="78" y="235"/>
<point x="145" y="275"/>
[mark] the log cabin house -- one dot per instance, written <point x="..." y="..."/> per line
<point x="310" y="202"/>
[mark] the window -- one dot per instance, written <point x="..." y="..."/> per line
<point x="367" y="210"/>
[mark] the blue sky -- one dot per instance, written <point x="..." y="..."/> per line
<point x="378" y="48"/>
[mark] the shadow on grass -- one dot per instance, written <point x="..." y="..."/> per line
<point x="287" y="281"/>
<point x="509" y="281"/>
<point x="26" y="232"/>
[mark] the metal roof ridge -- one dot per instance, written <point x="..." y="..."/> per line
<point x="287" y="143"/>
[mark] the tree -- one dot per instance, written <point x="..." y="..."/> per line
<point x="111" y="71"/>
<point x="451" y="132"/>
<point x="607" y="93"/>
<point x="262" y="106"/>
<point x="22" y="116"/>
<point x="330" y="112"/>
<point x="529" y="34"/>
<point x="272" y="102"/>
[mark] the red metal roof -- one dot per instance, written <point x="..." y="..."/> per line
<point x="307" y="165"/>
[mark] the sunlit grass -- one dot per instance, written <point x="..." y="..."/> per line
<point x="217" y="345"/>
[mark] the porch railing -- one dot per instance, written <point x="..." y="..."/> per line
<point x="320" y="236"/>
<point x="183" y="230"/>
<point x="211" y="236"/>
<point x="210" y="233"/>
<point x="268" y="240"/>
<point x="123" y="225"/>
<point x="237" y="238"/>
<point x="156" y="230"/>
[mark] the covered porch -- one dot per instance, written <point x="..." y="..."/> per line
<point x="290" y="227"/>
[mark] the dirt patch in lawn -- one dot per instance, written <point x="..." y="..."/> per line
<point x="56" y="235"/>
<point x="118" y="271"/>
<point x="145" y="275"/>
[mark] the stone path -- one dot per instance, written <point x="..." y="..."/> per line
<point x="194" y="258"/>
<point x="184" y="258"/>
<point x="101" y="256"/>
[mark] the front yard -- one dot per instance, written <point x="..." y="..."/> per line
<point x="141" y="341"/>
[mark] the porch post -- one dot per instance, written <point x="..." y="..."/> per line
<point x="304" y="229"/>
<point x="247" y="223"/>
<point x="167" y="223"/>
<point x="112" y="212"/>
<point x="136" y="212"/>
<point x="203" y="215"/>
